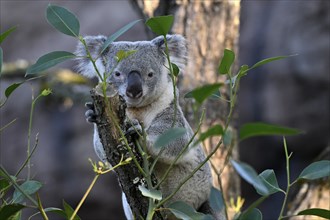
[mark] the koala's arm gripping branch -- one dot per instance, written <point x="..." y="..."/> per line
<point x="111" y="111"/>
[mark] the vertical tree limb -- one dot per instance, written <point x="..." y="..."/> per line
<point x="112" y="117"/>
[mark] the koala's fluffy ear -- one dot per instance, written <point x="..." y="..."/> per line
<point x="84" y="65"/>
<point x="177" y="48"/>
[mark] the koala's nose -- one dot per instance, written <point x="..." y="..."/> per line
<point x="134" y="85"/>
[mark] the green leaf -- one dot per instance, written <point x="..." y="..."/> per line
<point x="63" y="20"/>
<point x="184" y="211"/>
<point x="216" y="200"/>
<point x="323" y="213"/>
<point x="49" y="60"/>
<point x="160" y="25"/>
<point x="29" y="187"/>
<point x="250" y="175"/>
<point x="268" y="60"/>
<point x="268" y="178"/>
<point x="118" y="33"/>
<point x="228" y="137"/>
<point x="52" y="210"/>
<point x="69" y="211"/>
<point x="123" y="54"/>
<point x="254" y="214"/>
<point x="150" y="193"/>
<point x="261" y="129"/>
<point x="316" y="170"/>
<point x="168" y="136"/>
<point x="176" y="69"/>
<point x="10" y="89"/>
<point x="10" y="211"/>
<point x="1" y="59"/>
<point x="215" y="130"/>
<point x="4" y="183"/>
<point x="5" y="34"/>
<point x="226" y="62"/>
<point x="203" y="92"/>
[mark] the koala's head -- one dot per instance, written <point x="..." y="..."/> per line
<point x="142" y="77"/>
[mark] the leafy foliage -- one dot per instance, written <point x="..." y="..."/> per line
<point x="261" y="129"/>
<point x="226" y="62"/>
<point x="63" y="20"/>
<point x="49" y="60"/>
<point x="160" y="25"/>
<point x="168" y="136"/>
<point x="316" y="170"/>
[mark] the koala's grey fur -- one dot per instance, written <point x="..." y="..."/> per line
<point x="154" y="109"/>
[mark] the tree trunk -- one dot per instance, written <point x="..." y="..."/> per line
<point x="209" y="27"/>
<point x="111" y="111"/>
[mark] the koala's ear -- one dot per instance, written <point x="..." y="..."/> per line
<point x="84" y="65"/>
<point x="177" y="48"/>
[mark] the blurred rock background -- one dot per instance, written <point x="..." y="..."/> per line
<point x="293" y="92"/>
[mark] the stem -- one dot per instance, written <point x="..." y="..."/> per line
<point x="29" y="156"/>
<point x="7" y="125"/>
<point x="89" y="56"/>
<point x="85" y="196"/>
<point x="287" y="160"/>
<point x="34" y="100"/>
<point x="41" y="209"/>
<point x="173" y="81"/>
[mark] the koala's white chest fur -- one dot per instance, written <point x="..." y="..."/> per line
<point x="148" y="113"/>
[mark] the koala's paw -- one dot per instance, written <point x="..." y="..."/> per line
<point x="90" y="114"/>
<point x="134" y="129"/>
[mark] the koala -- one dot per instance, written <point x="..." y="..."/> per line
<point x="143" y="80"/>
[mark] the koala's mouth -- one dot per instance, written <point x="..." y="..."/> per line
<point x="134" y="102"/>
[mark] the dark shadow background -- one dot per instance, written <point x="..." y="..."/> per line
<point x="293" y="92"/>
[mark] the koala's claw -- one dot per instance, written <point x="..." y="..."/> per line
<point x="90" y="105"/>
<point x="90" y="114"/>
<point x="134" y="129"/>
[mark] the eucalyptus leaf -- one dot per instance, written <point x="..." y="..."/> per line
<point x="63" y="20"/>
<point x="323" y="213"/>
<point x="5" y="34"/>
<point x="228" y="137"/>
<point x="29" y="187"/>
<point x="184" y="211"/>
<point x="57" y="211"/>
<point x="268" y="60"/>
<point x="168" y="136"/>
<point x="316" y="170"/>
<point x="216" y="200"/>
<point x="176" y="69"/>
<point x="254" y="214"/>
<point x="1" y="59"/>
<point x="250" y="175"/>
<point x="203" y="92"/>
<point x="68" y="210"/>
<point x="268" y="177"/>
<point x="262" y="129"/>
<point x="150" y="193"/>
<point x="215" y="130"/>
<point x="10" y="210"/>
<point x="160" y="25"/>
<point x="10" y="89"/>
<point x="49" y="60"/>
<point x="226" y="62"/>
<point x="123" y="54"/>
<point x="118" y="33"/>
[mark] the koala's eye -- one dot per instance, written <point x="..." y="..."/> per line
<point x="151" y="74"/>
<point x="117" y="73"/>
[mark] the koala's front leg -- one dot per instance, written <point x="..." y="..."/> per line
<point x="92" y="117"/>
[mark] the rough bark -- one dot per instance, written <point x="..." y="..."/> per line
<point x="209" y="27"/>
<point x="111" y="112"/>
